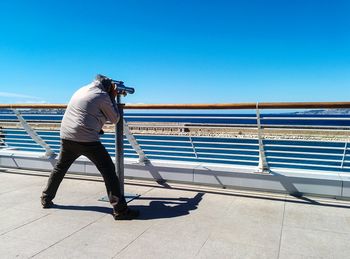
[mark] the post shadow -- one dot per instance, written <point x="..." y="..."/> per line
<point x="156" y="175"/>
<point x="288" y="185"/>
<point x="158" y="208"/>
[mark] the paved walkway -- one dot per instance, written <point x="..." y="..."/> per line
<point x="177" y="222"/>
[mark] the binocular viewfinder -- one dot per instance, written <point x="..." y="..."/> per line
<point x="121" y="88"/>
<point x="119" y="85"/>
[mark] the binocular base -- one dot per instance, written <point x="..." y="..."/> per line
<point x="128" y="197"/>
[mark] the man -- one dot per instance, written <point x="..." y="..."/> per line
<point x="88" y="110"/>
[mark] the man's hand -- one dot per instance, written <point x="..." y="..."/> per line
<point x="113" y="93"/>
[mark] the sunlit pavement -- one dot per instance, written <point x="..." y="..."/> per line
<point x="177" y="221"/>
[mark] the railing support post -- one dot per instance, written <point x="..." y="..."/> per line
<point x="193" y="147"/>
<point x="133" y="142"/>
<point x="32" y="133"/>
<point x="119" y="145"/>
<point x="263" y="166"/>
<point x="344" y="155"/>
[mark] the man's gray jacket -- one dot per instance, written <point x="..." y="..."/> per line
<point x="87" y="111"/>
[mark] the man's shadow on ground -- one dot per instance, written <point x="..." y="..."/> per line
<point x="158" y="208"/>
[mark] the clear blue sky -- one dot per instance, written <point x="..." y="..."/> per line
<point x="177" y="51"/>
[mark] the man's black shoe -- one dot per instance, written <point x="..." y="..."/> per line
<point x="126" y="214"/>
<point x="46" y="204"/>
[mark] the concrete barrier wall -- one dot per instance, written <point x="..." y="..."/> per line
<point x="293" y="181"/>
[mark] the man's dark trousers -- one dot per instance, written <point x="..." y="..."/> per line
<point x="97" y="153"/>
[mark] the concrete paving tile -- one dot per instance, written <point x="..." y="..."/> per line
<point x="51" y="228"/>
<point x="182" y="238"/>
<point x="82" y="251"/>
<point x="11" y="247"/>
<point x="137" y="189"/>
<point x="20" y="197"/>
<point x="260" y="211"/>
<point x="6" y="188"/>
<point x="317" y="217"/>
<point x="221" y="248"/>
<point x="319" y="244"/>
<point x="289" y="255"/>
<point x="113" y="227"/>
<point x="212" y="204"/>
<point x="213" y="210"/>
<point x="14" y="218"/>
<point x="248" y="222"/>
<point x="102" y="239"/>
<point x="243" y="231"/>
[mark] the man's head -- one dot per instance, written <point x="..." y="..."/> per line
<point x="106" y="82"/>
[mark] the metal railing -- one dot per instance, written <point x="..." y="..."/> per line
<point x="257" y="138"/>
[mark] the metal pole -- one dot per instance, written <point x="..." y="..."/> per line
<point x="133" y="142"/>
<point x="344" y="155"/>
<point x="119" y="145"/>
<point x="263" y="167"/>
<point x="193" y="147"/>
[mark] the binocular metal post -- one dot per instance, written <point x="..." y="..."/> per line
<point x="119" y="145"/>
<point x="119" y="152"/>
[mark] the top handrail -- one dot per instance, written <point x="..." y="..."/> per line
<point x="214" y="106"/>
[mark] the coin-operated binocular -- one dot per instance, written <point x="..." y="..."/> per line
<point x="110" y="85"/>
<point x="122" y="89"/>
